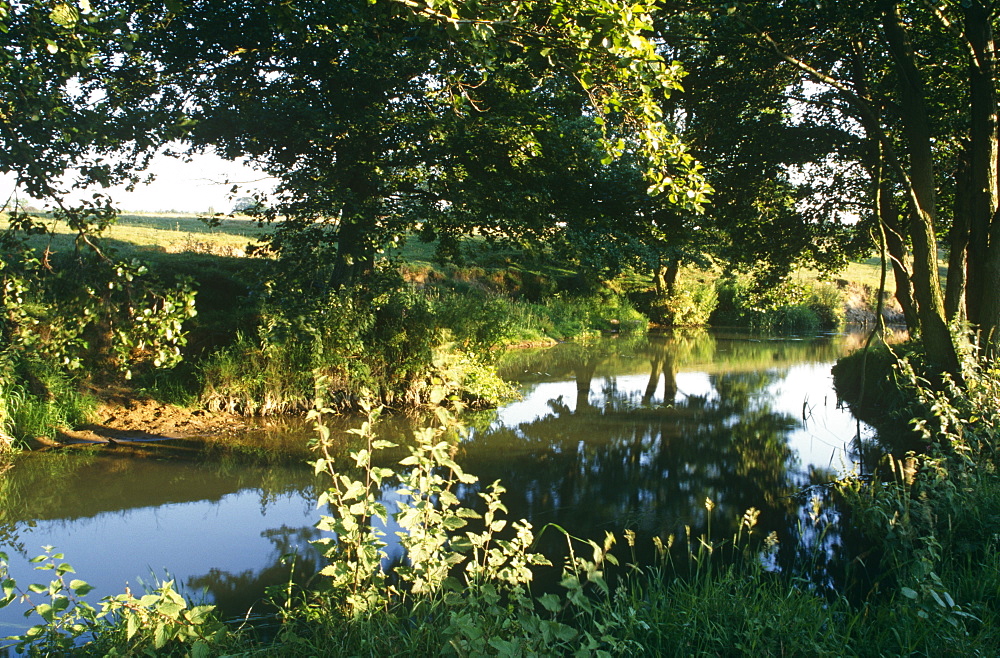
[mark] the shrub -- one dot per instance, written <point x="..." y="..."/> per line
<point x="788" y="308"/>
<point x="792" y="319"/>
<point x="691" y="305"/>
<point x="827" y="301"/>
<point x="392" y="341"/>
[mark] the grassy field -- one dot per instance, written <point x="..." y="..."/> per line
<point x="147" y="235"/>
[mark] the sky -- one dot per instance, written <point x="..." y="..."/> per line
<point x="194" y="187"/>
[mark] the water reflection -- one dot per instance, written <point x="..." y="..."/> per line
<point x="639" y="433"/>
<point x="136" y="515"/>
<point x="619" y="434"/>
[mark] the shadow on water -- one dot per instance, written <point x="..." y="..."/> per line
<point x="628" y="433"/>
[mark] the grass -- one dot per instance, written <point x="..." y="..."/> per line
<point x="147" y="236"/>
<point x="150" y="235"/>
<point x="25" y="416"/>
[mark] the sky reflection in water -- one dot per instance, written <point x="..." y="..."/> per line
<point x="624" y="433"/>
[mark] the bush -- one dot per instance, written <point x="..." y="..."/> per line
<point x="691" y="305"/>
<point x="606" y="312"/>
<point x="793" y="319"/>
<point x="789" y="308"/>
<point x="389" y="341"/>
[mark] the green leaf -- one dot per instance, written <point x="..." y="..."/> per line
<point x="909" y="593"/>
<point x="60" y="604"/>
<point x="564" y="632"/>
<point x="132" y="625"/>
<point x="550" y="602"/>
<point x="160" y="636"/>
<point x="454" y="523"/>
<point x="44" y="611"/>
<point x="64" y="15"/>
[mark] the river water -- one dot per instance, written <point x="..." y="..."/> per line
<point x="620" y="433"/>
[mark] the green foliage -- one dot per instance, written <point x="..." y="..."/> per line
<point x="827" y="301"/>
<point x="37" y="400"/>
<point x="483" y="322"/>
<point x="790" y="308"/>
<point x="463" y="588"/>
<point x="691" y="305"/>
<point x="935" y="513"/>
<point x="385" y="338"/>
<point x="393" y="340"/>
<point x="91" y="312"/>
<point x="247" y="378"/>
<point x="565" y="318"/>
<point x="158" y="623"/>
<point x="449" y="603"/>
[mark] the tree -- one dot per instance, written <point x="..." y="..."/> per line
<point x="69" y="122"/>
<point x="353" y="105"/>
<point x="900" y="71"/>
<point x="737" y="115"/>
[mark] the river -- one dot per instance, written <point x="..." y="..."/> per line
<point x="614" y="434"/>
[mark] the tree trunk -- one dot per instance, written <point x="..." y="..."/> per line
<point x="896" y="246"/>
<point x="955" y="301"/>
<point x="665" y="277"/>
<point x="923" y="198"/>
<point x="357" y="234"/>
<point x="885" y="206"/>
<point x="660" y="278"/>
<point x="984" y="255"/>
<point x="670" y="276"/>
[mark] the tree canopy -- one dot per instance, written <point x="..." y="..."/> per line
<point x="561" y="122"/>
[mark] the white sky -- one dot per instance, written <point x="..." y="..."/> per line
<point x="193" y="187"/>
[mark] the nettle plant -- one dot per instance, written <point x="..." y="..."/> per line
<point x="472" y="569"/>
<point x="158" y="622"/>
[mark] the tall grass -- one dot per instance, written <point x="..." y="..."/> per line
<point x="55" y="403"/>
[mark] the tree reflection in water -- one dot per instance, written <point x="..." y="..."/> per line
<point x="632" y="450"/>
<point x="628" y="433"/>
<point x="292" y="559"/>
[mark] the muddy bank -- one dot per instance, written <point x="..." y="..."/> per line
<point x="122" y="420"/>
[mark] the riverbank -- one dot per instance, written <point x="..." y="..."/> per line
<point x="859" y="577"/>
<point x="131" y="419"/>
<point x="413" y="336"/>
